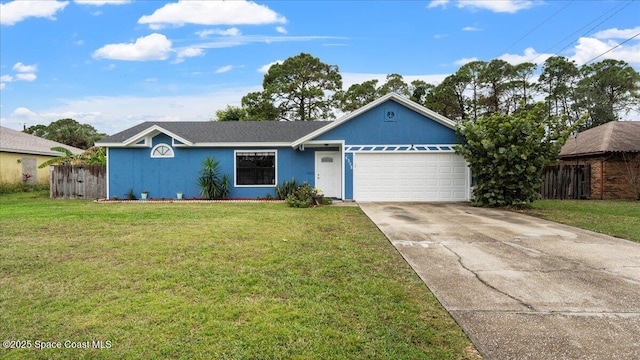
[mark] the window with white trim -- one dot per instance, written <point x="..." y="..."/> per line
<point x="162" y="151"/>
<point x="255" y="168"/>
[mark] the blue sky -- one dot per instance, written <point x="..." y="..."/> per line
<point x="114" y="64"/>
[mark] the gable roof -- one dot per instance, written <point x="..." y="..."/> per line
<point x="614" y="136"/>
<point x="18" y="142"/>
<point x="218" y="132"/>
<point x="391" y="96"/>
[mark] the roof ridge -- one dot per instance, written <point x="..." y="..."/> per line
<point x="606" y="139"/>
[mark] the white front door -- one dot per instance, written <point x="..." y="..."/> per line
<point x="329" y="173"/>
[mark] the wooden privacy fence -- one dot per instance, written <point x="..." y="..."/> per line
<point x="566" y="182"/>
<point x="78" y="182"/>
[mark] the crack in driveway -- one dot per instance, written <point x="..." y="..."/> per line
<point x="486" y="283"/>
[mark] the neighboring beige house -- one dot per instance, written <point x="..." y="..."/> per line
<point x="22" y="153"/>
<point x="613" y="151"/>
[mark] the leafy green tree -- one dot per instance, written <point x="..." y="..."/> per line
<point x="495" y="77"/>
<point x="259" y="107"/>
<point x="395" y="84"/>
<point x="358" y="95"/>
<point x="300" y="88"/>
<point x="69" y="132"/>
<point x="231" y="113"/>
<point x="607" y="89"/>
<point x="558" y="81"/>
<point x="506" y="154"/>
<point x="419" y="91"/>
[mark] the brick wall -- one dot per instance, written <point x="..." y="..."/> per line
<point x="615" y="184"/>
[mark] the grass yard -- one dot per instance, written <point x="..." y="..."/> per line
<point x="611" y="217"/>
<point x="211" y="281"/>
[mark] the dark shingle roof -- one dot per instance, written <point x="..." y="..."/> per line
<point x="226" y="131"/>
<point x="614" y="136"/>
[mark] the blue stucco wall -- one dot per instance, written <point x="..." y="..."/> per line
<point x="408" y="127"/>
<point x="133" y="168"/>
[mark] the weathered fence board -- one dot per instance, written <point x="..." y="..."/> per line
<point x="566" y="182"/>
<point x="77" y="182"/>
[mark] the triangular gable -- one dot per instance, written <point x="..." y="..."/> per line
<point x="391" y="96"/>
<point x="153" y="131"/>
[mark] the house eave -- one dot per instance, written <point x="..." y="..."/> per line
<point x="152" y="131"/>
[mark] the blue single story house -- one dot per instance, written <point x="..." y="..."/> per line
<point x="392" y="149"/>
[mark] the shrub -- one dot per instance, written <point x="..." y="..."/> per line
<point x="287" y="188"/>
<point x="301" y="197"/>
<point x="506" y="154"/>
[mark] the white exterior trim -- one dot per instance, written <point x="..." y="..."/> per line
<point x="412" y="148"/>
<point x="151" y="132"/>
<point x="235" y="168"/>
<point x="170" y="154"/>
<point x="107" y="174"/>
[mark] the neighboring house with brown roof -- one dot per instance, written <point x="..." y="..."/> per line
<point x="22" y="153"/>
<point x="613" y="151"/>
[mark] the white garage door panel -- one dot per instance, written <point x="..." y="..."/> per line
<point x="410" y="177"/>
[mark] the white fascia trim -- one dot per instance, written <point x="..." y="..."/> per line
<point x="391" y="96"/>
<point x="237" y="144"/>
<point x="150" y="132"/>
<point x="322" y="143"/>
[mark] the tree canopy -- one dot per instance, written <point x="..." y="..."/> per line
<point x="299" y="89"/>
<point x="68" y="132"/>
<point x="305" y="88"/>
<point x="506" y="154"/>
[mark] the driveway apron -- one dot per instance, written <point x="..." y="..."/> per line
<point x="519" y="286"/>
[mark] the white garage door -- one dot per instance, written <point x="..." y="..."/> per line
<point x="410" y="177"/>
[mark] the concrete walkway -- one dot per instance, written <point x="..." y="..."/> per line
<point x="522" y="287"/>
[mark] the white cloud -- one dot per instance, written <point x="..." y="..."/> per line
<point x="228" y="32"/>
<point x="153" y="47"/>
<point x="500" y="6"/>
<point x="224" y="69"/>
<point x="436" y="3"/>
<point x="589" y="48"/>
<point x="212" y="13"/>
<point x="2" y="86"/>
<point x="15" y="11"/>
<point x="26" y="76"/>
<point x="530" y="55"/>
<point x="23" y="73"/>
<point x="102" y="2"/>
<point x="23" y="113"/>
<point x="265" y="68"/>
<point x="281" y="30"/>
<point x="111" y="114"/>
<point x="471" y="28"/>
<point x="617" y="34"/>
<point x="20" y="67"/>
<point x="190" y="52"/>
<point x="465" y="61"/>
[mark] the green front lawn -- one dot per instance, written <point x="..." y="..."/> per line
<point x="616" y="218"/>
<point x="211" y="281"/>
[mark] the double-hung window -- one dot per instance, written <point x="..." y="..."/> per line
<point x="256" y="168"/>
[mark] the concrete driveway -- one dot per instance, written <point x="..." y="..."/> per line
<point x="522" y="287"/>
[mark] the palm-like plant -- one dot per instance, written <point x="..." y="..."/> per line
<point x="212" y="185"/>
<point x="68" y="158"/>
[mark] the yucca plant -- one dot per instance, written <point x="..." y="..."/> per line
<point x="212" y="185"/>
